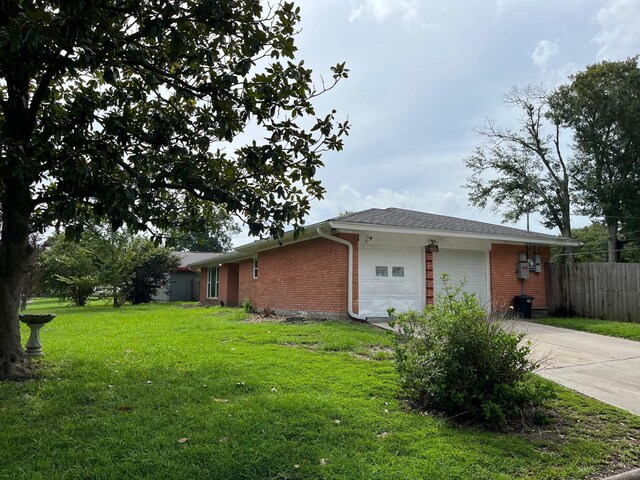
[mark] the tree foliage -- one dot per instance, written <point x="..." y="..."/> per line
<point x="122" y="266"/>
<point x="523" y="171"/>
<point x="150" y="273"/>
<point x="213" y="235"/>
<point x="68" y="269"/>
<point x="594" y="243"/>
<point x="131" y="111"/>
<point x="602" y="106"/>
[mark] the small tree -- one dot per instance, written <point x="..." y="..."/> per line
<point x="451" y="357"/>
<point x="150" y="274"/>
<point x="68" y="269"/>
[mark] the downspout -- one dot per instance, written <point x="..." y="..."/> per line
<point x="353" y="315"/>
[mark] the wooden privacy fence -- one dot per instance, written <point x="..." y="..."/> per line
<point x="594" y="290"/>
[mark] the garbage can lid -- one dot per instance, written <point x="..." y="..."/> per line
<point x="524" y="297"/>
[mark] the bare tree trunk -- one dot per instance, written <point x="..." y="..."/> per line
<point x="612" y="228"/>
<point x="14" y="257"/>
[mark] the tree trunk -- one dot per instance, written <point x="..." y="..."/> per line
<point x="612" y="228"/>
<point x="14" y="258"/>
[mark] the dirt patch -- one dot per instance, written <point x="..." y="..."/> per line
<point x="308" y="346"/>
<point x="375" y="353"/>
<point x="264" y="319"/>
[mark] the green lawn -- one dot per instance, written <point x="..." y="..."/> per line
<point x="611" y="328"/>
<point x="120" y="388"/>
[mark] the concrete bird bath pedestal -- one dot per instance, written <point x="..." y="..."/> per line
<point x="35" y="321"/>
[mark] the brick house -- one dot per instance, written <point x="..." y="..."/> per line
<point x="362" y="263"/>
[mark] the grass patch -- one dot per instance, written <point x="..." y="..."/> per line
<point x="628" y="330"/>
<point x="121" y="390"/>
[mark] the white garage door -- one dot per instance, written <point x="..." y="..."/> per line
<point x="390" y="277"/>
<point x="457" y="264"/>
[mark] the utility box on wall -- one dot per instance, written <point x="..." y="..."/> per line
<point x="522" y="270"/>
<point x="537" y="263"/>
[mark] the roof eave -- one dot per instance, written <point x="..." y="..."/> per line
<point x="539" y="240"/>
<point x="248" y="250"/>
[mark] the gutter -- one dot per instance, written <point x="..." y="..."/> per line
<point x="353" y="315"/>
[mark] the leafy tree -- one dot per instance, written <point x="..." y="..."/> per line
<point x="212" y="235"/>
<point x="594" y="243"/>
<point x="150" y="274"/>
<point x="130" y="110"/>
<point x="602" y="106"/>
<point x="127" y="267"/>
<point x="518" y="172"/>
<point x="68" y="269"/>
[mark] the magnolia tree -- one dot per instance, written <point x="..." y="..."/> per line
<point x="131" y="111"/>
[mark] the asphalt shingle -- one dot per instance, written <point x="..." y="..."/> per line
<point x="397" y="217"/>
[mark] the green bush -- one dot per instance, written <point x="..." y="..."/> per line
<point x="452" y="357"/>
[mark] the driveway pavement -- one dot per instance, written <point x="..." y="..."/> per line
<point x="605" y="368"/>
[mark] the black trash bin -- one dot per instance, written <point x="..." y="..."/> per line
<point x="523" y="304"/>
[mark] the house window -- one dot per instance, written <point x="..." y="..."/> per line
<point x="255" y="268"/>
<point x="213" y="282"/>
<point x="397" y="271"/>
<point x="382" y="271"/>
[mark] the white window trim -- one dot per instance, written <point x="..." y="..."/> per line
<point x="217" y="285"/>
<point x="254" y="269"/>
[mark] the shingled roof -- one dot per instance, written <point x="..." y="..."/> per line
<point x="398" y="217"/>
<point x="188" y="258"/>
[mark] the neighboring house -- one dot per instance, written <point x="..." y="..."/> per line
<point x="362" y="263"/>
<point x="183" y="283"/>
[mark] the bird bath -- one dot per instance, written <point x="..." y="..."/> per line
<point x="35" y="321"/>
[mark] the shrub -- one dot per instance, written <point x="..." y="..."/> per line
<point x="452" y="357"/>
<point x="247" y="305"/>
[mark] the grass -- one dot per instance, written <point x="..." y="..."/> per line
<point x="628" y="330"/>
<point x="120" y="389"/>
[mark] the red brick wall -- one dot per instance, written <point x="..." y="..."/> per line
<point x="504" y="282"/>
<point x="228" y="287"/>
<point x="247" y="285"/>
<point x="204" y="272"/>
<point x="307" y="276"/>
<point x="429" y="277"/>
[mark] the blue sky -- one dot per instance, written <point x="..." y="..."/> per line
<point x="424" y="74"/>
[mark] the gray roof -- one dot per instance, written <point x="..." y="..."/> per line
<point x="398" y="217"/>
<point x="187" y="258"/>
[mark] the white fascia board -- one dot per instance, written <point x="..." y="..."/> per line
<point x="220" y="259"/>
<point x="269" y="243"/>
<point x="363" y="227"/>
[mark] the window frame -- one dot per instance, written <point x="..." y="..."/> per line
<point x="386" y="271"/>
<point x="399" y="269"/>
<point x="254" y="269"/>
<point x="215" y="284"/>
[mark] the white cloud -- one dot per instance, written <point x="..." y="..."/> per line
<point x="409" y="10"/>
<point x="619" y="23"/>
<point x="545" y="50"/>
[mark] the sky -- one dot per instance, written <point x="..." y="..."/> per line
<point x="424" y="75"/>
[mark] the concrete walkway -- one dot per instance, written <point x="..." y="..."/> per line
<point x="605" y="368"/>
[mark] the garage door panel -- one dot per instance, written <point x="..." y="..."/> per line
<point x="378" y="293"/>
<point x="457" y="264"/>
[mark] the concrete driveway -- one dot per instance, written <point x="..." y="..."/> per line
<point x="605" y="368"/>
